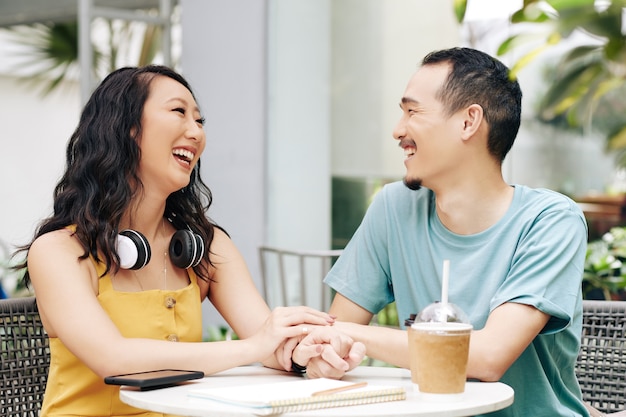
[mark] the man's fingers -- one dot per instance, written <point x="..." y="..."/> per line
<point x="319" y="368"/>
<point x="356" y="355"/>
<point x="302" y="354"/>
<point x="333" y="359"/>
<point x="287" y="353"/>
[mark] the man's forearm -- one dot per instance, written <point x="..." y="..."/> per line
<point x="382" y="343"/>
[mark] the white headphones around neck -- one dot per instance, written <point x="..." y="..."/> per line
<point x="186" y="249"/>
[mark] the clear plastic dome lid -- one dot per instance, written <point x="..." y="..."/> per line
<point x="441" y="313"/>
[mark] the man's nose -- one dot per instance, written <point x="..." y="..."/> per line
<point x="399" y="131"/>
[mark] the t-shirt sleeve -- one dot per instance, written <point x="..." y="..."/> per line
<point x="361" y="273"/>
<point x="546" y="271"/>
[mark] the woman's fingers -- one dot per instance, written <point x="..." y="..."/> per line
<point x="287" y="353"/>
<point x="302" y="314"/>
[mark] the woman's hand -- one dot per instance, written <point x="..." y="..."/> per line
<point x="285" y="323"/>
<point x="326" y="352"/>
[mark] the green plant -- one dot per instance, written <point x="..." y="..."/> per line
<point x="604" y="264"/>
<point x="217" y="333"/>
<point x="49" y="50"/>
<point x="388" y="316"/>
<point x="589" y="75"/>
<point x="12" y="280"/>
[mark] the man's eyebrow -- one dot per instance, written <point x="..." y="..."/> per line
<point x="408" y="100"/>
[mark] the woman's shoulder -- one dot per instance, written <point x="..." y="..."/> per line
<point x="60" y="240"/>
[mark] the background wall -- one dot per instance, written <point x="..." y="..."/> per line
<point x="34" y="131"/>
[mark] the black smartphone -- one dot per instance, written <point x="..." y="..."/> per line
<point x="153" y="379"/>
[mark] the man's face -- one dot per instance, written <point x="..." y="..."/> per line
<point x="428" y="136"/>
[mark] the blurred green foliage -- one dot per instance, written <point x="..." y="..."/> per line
<point x="605" y="271"/>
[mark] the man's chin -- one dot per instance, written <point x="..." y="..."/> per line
<point x="412" y="183"/>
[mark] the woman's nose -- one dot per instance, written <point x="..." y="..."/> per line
<point x="195" y="131"/>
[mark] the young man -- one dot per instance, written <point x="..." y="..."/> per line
<point x="516" y="254"/>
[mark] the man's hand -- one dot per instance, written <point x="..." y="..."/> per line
<point x="328" y="353"/>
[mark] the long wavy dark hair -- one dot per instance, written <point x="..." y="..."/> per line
<point x="100" y="179"/>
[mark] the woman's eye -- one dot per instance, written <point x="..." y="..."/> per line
<point x="180" y="110"/>
<point x="201" y="121"/>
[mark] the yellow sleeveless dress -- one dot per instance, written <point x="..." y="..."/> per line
<point x="74" y="390"/>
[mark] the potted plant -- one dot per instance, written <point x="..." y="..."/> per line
<point x="604" y="275"/>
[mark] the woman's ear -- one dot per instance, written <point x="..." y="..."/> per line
<point x="472" y="120"/>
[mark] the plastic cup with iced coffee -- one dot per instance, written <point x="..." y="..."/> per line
<point x="438" y="347"/>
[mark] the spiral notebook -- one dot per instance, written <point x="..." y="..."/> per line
<point x="299" y="395"/>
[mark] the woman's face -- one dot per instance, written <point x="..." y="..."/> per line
<point x="172" y="136"/>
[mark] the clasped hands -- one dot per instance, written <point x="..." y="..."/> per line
<point x="323" y="350"/>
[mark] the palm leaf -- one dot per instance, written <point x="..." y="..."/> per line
<point x="50" y="53"/>
<point x="580" y="112"/>
<point x="460" y="7"/>
<point x="150" y="45"/>
<point x="566" y="90"/>
<point x="584" y="52"/>
<point x="560" y="5"/>
<point x="531" y="12"/>
<point x="521" y="39"/>
<point x="533" y="54"/>
<point x="618" y="139"/>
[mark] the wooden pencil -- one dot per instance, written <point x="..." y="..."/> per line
<point x="340" y="389"/>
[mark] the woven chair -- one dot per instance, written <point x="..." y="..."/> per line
<point x="24" y="358"/>
<point x="294" y="277"/>
<point x="601" y="365"/>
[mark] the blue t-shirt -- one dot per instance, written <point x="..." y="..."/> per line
<point x="533" y="255"/>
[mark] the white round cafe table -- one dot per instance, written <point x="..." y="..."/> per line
<point x="479" y="397"/>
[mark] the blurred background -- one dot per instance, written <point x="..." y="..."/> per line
<point x="301" y="96"/>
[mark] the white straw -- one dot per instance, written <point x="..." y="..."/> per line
<point x="444" y="283"/>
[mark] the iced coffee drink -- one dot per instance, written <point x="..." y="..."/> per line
<point x="439" y="348"/>
<point x="439" y="353"/>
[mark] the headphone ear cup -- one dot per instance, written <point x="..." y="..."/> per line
<point x="186" y="249"/>
<point x="133" y="249"/>
<point x="200" y="251"/>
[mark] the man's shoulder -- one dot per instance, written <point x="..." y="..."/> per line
<point x="545" y="197"/>
<point x="540" y="202"/>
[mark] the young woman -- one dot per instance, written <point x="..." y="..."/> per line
<point x="132" y="189"/>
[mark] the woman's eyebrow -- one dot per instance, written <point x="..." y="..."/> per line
<point x="182" y="100"/>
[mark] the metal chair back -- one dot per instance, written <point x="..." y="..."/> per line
<point x="601" y="365"/>
<point x="294" y="277"/>
<point x="24" y="358"/>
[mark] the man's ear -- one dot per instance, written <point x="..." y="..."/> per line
<point x="472" y="120"/>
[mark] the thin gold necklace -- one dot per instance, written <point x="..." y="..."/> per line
<point x="164" y="264"/>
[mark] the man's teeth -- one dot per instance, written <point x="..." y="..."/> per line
<point x="184" y="153"/>
<point x="409" y="151"/>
